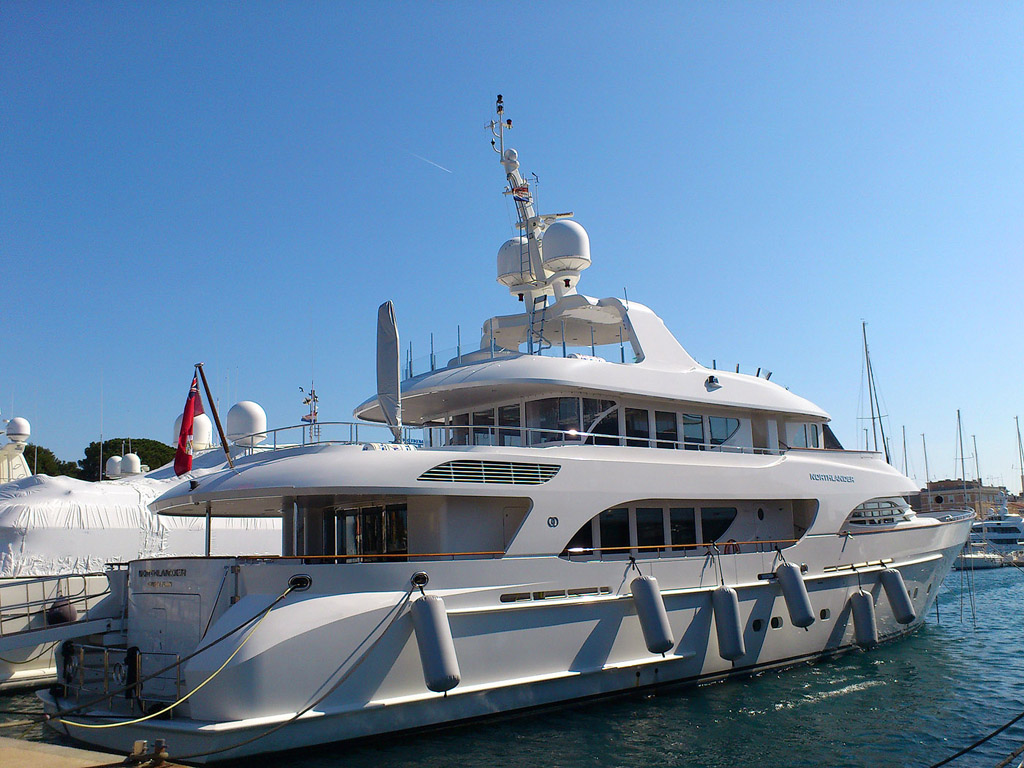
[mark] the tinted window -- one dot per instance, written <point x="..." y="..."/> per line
<point x="553" y="413"/>
<point x="638" y="426"/>
<point x="681" y="526"/>
<point x="601" y="417"/>
<point x="665" y="429"/>
<point x="583" y="538"/>
<point x="693" y="431"/>
<point x="722" y="428"/>
<point x="714" y="521"/>
<point x="650" y="527"/>
<point x="615" y="530"/>
<point x="484" y="419"/>
<point x="508" y="416"/>
<point x="460" y="436"/>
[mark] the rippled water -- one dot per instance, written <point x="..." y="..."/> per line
<point x="909" y="703"/>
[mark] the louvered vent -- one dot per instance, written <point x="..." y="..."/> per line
<point x="508" y="472"/>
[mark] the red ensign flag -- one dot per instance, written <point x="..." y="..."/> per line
<point x="193" y="407"/>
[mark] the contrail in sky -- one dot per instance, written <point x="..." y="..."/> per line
<point x="429" y="161"/>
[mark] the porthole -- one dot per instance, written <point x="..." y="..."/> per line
<point x="938" y="499"/>
<point x="915" y="592"/>
<point x="760" y="513"/>
<point x="757" y="626"/>
<point x="928" y="590"/>
<point x="825" y="614"/>
<point x="776" y="622"/>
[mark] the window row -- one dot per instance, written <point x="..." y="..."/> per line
<point x="590" y="420"/>
<point x="636" y="530"/>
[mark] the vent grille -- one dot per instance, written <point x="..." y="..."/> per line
<point x="505" y="472"/>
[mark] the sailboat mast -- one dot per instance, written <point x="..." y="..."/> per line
<point x="873" y="398"/>
<point x="977" y="469"/>
<point x="904" y="449"/>
<point x="871" y="385"/>
<point x="1020" y="452"/>
<point x="960" y="437"/>
<point x="924" y="445"/>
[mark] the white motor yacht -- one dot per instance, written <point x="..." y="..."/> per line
<point x="548" y="526"/>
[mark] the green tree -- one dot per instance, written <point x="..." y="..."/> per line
<point x="43" y="461"/>
<point x="153" y="453"/>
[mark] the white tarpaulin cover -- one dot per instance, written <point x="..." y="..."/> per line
<point x="54" y="525"/>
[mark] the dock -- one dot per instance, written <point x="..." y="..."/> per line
<point x="18" y="753"/>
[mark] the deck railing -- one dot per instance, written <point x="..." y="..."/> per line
<point x="451" y="436"/>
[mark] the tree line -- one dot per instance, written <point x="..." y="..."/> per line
<point x="43" y="461"/>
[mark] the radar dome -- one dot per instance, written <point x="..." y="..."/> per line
<point x="566" y="247"/>
<point x="247" y="423"/>
<point x="113" y="467"/>
<point x="18" y="430"/>
<point x="131" y="464"/>
<point x="202" y="432"/>
<point x="514" y="263"/>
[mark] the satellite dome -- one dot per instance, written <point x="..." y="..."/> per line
<point x="18" y="430"/>
<point x="131" y="464"/>
<point x="202" y="432"/>
<point x="514" y="263"/>
<point x="247" y="424"/>
<point x="566" y="247"/>
<point x="113" y="467"/>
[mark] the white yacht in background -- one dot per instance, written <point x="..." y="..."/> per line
<point x="549" y="526"/>
<point x="58" y="534"/>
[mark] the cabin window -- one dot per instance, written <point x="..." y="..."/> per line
<point x="558" y="415"/>
<point x="722" y="428"/>
<point x="483" y="427"/>
<point x="583" y="538"/>
<point x="693" y="431"/>
<point x="682" y="527"/>
<point x="812" y="430"/>
<point x="460" y="433"/>
<point x="509" y="416"/>
<point x="614" y="524"/>
<point x="650" y="527"/>
<point x="714" y="521"/>
<point x="370" y="531"/>
<point x="638" y="425"/>
<point x="665" y="429"/>
<point x="601" y="420"/>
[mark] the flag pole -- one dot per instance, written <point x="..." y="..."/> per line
<point x="216" y="418"/>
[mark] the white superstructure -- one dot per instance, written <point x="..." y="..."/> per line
<point x="555" y="526"/>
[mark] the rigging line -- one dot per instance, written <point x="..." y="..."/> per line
<point x="106" y="697"/>
<point x="979" y="742"/>
<point x="182" y="700"/>
<point x="1015" y="754"/>
<point x="394" y="614"/>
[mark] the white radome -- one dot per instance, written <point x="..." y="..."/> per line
<point x="131" y="464"/>
<point x="566" y="247"/>
<point x="113" y="466"/>
<point x="18" y="430"/>
<point x="247" y="424"/>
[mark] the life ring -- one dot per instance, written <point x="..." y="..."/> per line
<point x="731" y="547"/>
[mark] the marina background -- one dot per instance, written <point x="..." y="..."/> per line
<point x="907" y="704"/>
<point x="238" y="185"/>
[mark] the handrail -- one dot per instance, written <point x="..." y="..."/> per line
<point x="669" y="547"/>
<point x="444" y="435"/>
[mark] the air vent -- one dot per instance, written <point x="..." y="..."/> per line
<point x="509" y="472"/>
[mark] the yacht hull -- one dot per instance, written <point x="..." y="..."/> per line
<point x="352" y="653"/>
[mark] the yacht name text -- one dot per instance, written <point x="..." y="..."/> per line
<point x="832" y="478"/>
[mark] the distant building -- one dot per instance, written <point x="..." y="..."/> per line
<point x="948" y="495"/>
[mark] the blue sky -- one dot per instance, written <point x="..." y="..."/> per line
<point x="238" y="183"/>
